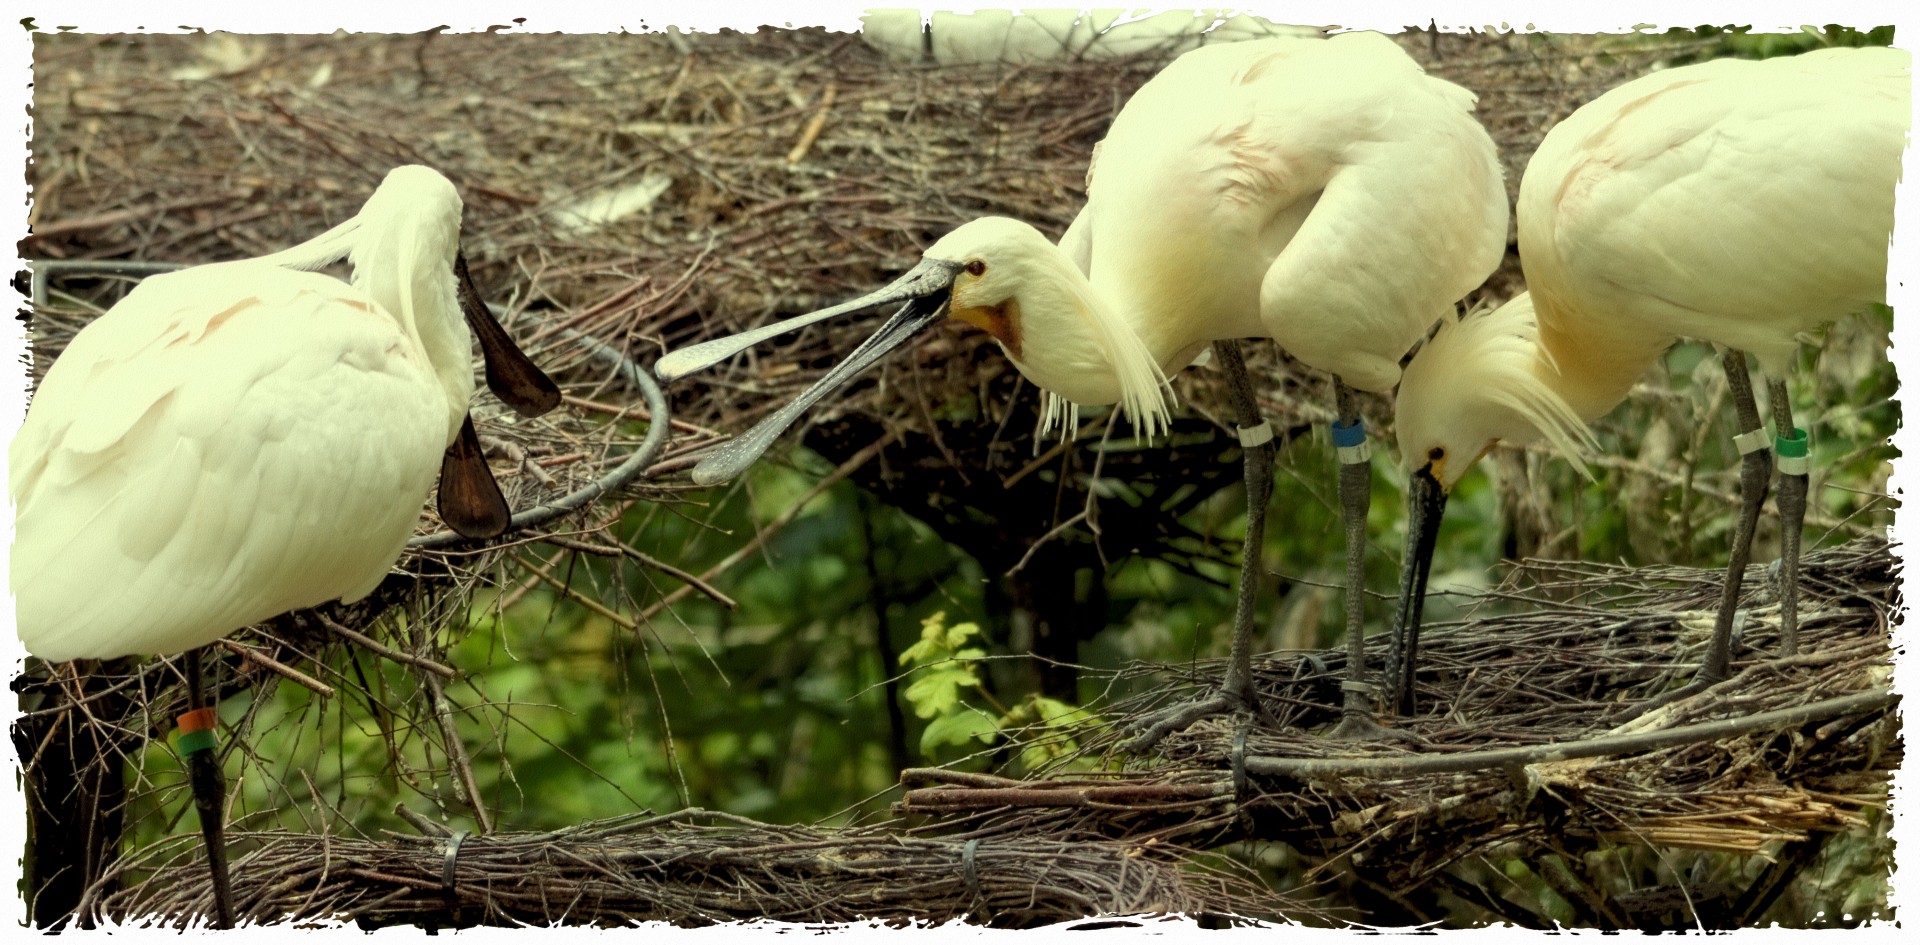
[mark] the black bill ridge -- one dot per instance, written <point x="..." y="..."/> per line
<point x="511" y="375"/>
<point x="1426" y="502"/>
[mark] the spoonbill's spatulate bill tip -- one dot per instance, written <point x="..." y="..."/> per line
<point x="730" y="459"/>
<point x="511" y="375"/>
<point x="329" y="406"/>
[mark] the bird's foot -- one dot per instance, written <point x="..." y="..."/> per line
<point x="1174" y="718"/>
<point x="1361" y="726"/>
<point x="1716" y="668"/>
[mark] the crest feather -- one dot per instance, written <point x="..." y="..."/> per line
<point x="1489" y="359"/>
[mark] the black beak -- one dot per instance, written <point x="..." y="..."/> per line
<point x="924" y="289"/>
<point x="470" y="499"/>
<point x="512" y="377"/>
<point x="1426" y="502"/>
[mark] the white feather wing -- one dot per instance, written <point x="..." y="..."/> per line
<point x="228" y="443"/>
<point x="1326" y="192"/>
<point x="1737" y="202"/>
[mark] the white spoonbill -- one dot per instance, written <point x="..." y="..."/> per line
<point x="1734" y="201"/>
<point x="237" y="440"/>
<point x="950" y="38"/>
<point x="1325" y="193"/>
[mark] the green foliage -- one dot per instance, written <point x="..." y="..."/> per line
<point x="1051" y="740"/>
<point x="1741" y="41"/>
<point x="944" y="667"/>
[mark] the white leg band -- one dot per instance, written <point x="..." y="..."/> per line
<point x="1253" y="436"/>
<point x="1752" y="441"/>
<point x="1793" y="465"/>
<point x="1351" y="455"/>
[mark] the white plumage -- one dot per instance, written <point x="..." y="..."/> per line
<point x="1044" y="35"/>
<point x="1735" y="201"/>
<point x="237" y="440"/>
<point x="1325" y="193"/>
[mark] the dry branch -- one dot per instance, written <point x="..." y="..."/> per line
<point x="1516" y="748"/>
<point x="690" y="868"/>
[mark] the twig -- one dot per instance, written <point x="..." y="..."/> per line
<point x="619" y="548"/>
<point x="1405" y="766"/>
<point x="465" y="784"/>
<point x="853" y="463"/>
<point x="814" y="124"/>
<point x="258" y="658"/>
<point x="385" y="650"/>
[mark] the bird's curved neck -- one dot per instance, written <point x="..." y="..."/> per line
<point x="419" y="292"/>
<point x="1589" y="360"/>
<point x="1078" y="346"/>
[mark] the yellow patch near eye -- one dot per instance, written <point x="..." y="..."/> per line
<point x="1001" y="321"/>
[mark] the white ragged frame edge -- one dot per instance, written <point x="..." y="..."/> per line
<point x="103" y="16"/>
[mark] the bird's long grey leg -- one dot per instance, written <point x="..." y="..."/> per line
<point x="1791" y="443"/>
<point x="1356" y="491"/>
<point x="1256" y="447"/>
<point x="209" y="782"/>
<point x="1256" y="442"/>
<point x="1755" y="471"/>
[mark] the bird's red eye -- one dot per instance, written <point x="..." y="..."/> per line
<point x="976" y="268"/>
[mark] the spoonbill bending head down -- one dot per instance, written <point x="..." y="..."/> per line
<point x="238" y="440"/>
<point x="1736" y="202"/>
<point x="1325" y="193"/>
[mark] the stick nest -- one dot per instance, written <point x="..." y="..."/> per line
<point x="647" y="192"/>
<point x="690" y="868"/>
<point x="1786" y="747"/>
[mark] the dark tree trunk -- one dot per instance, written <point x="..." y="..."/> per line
<point x="1062" y="594"/>
<point x="971" y="484"/>
<point x="75" y="790"/>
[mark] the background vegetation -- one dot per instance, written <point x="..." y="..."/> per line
<point x="864" y="643"/>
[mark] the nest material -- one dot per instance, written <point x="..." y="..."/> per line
<point x="656" y="190"/>
<point x="690" y="868"/>
<point x="1784" y="749"/>
<point x="788" y="170"/>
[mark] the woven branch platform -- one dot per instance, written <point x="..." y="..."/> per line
<point x="690" y="868"/>
<point x="788" y="170"/>
<point x="1518" y="756"/>
<point x="1516" y="747"/>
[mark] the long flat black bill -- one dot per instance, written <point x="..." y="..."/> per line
<point x="1426" y="503"/>
<point x="929" y="277"/>
<point x="734" y="456"/>
<point x="470" y="501"/>
<point x="511" y="375"/>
